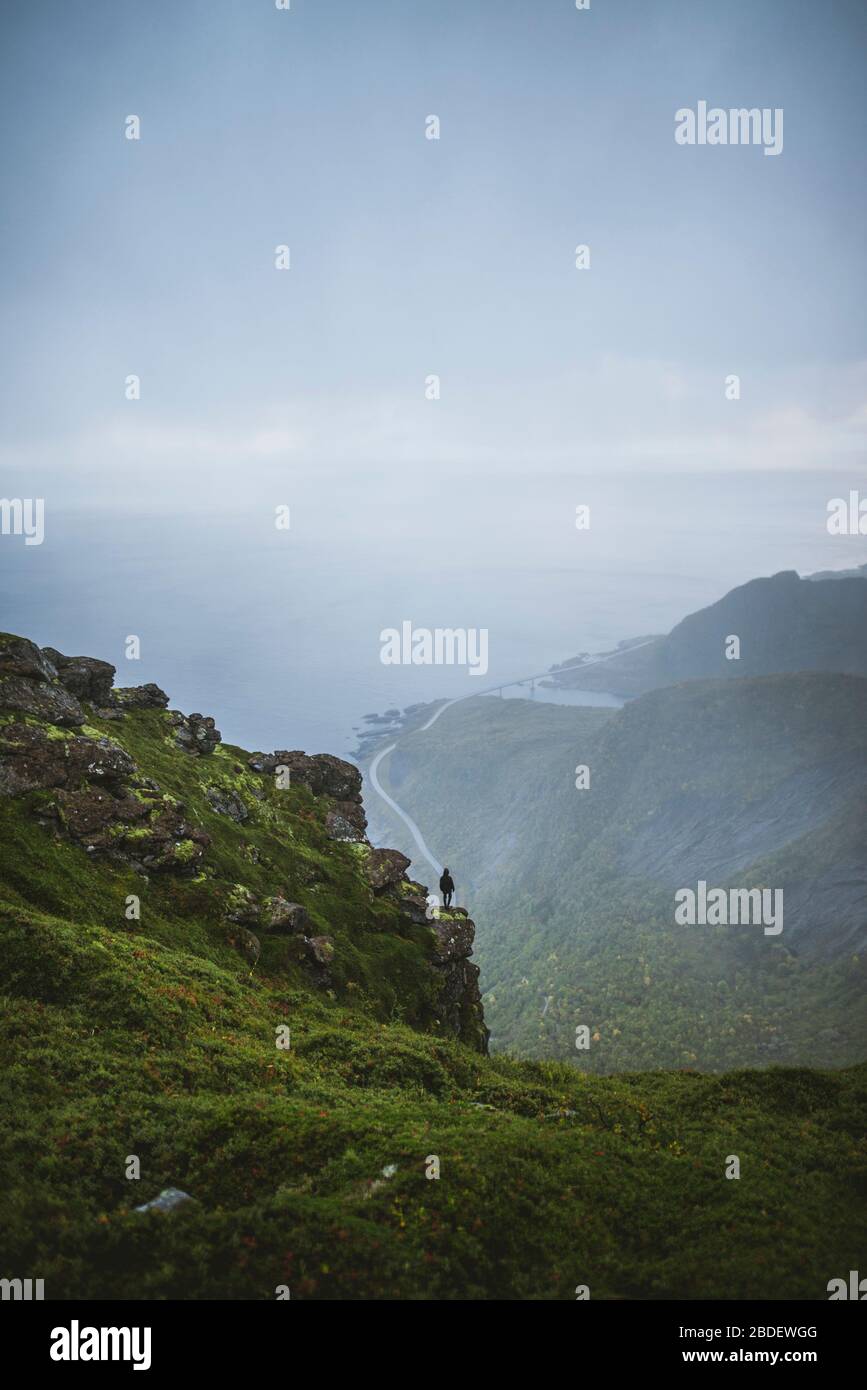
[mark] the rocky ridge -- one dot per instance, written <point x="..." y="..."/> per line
<point x="85" y="787"/>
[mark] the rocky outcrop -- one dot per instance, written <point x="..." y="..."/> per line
<point x="461" y="1007"/>
<point x="321" y="773"/>
<point x="94" y="793"/>
<point x="83" y="676"/>
<point x="149" y="836"/>
<point x="460" y="1002"/>
<point x="147" y="696"/>
<point x="30" y="684"/>
<point x="275" y="916"/>
<point x="385" y="868"/>
<point x="195" y="733"/>
<point x="346" y="821"/>
<point x="321" y="949"/>
<point x="31" y="759"/>
<point x="282" y="917"/>
<point x="98" y="798"/>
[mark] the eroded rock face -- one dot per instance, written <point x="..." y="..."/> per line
<point x="346" y="821"/>
<point x="47" y="700"/>
<point x="460" y="1003"/>
<point x="30" y="684"/>
<point x="100" y="800"/>
<point x="31" y="760"/>
<point x="453" y="936"/>
<point x="150" y="836"/>
<point x="85" y="677"/>
<point x="320" y="773"/>
<point x="147" y="696"/>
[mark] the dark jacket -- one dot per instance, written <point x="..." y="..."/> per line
<point x="447" y="884"/>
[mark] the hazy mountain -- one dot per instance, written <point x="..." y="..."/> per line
<point x="783" y="623"/>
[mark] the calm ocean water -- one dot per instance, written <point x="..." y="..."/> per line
<point x="277" y="633"/>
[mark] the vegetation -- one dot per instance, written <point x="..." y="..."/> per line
<point x="307" y="1166"/>
<point x="748" y="782"/>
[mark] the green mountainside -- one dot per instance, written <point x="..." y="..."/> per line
<point x="169" y="906"/>
<point x="751" y="783"/>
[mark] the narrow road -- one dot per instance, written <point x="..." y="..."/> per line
<point x="447" y="704"/>
<point x="398" y="810"/>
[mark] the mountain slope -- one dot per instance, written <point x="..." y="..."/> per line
<point x="741" y="784"/>
<point x="376" y="1156"/>
<point x="784" y="624"/>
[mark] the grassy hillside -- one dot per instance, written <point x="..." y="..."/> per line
<point x="742" y="783"/>
<point x="305" y="1166"/>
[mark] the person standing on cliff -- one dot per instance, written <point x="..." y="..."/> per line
<point x="447" y="887"/>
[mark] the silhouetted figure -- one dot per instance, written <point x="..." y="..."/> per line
<point x="447" y="887"/>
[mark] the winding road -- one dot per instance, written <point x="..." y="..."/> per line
<point x="407" y="819"/>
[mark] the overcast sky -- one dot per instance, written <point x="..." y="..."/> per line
<point x="411" y="256"/>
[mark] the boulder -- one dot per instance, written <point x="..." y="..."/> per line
<point x="195" y="733"/>
<point x="282" y="917"/>
<point x="21" y="657"/>
<point x="227" y="802"/>
<point x="453" y="937"/>
<point x="243" y="906"/>
<point x="85" y="677"/>
<point x="141" y="697"/>
<point x="321" y="949"/>
<point x="385" y="868"/>
<point x="244" y="941"/>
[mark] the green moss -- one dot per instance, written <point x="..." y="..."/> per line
<point x="52" y="731"/>
<point x="154" y="1038"/>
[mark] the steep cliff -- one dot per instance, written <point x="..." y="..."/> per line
<point x="271" y="848"/>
